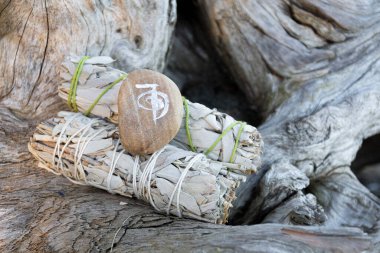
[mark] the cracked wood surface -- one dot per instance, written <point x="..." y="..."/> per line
<point x="41" y="212"/>
<point x="275" y="48"/>
<point x="314" y="67"/>
<point x="34" y="42"/>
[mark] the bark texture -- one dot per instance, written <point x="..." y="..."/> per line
<point x="311" y="68"/>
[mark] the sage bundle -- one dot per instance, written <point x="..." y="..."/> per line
<point x="91" y="86"/>
<point x="174" y="181"/>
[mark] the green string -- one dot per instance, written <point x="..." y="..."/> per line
<point x="71" y="101"/>
<point x="187" y="115"/>
<point x="121" y="78"/>
<point x="242" y="125"/>
<point x="220" y="137"/>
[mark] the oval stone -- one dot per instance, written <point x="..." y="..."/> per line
<point x="150" y="111"/>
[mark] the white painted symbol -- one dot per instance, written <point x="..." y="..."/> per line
<point x="157" y="101"/>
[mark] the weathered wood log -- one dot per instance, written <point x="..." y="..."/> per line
<point x="318" y="66"/>
<point x="44" y="213"/>
<point x="312" y="64"/>
<point x="194" y="66"/>
<point x="34" y="42"/>
<point x="276" y="48"/>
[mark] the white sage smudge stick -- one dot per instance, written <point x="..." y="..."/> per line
<point x="204" y="130"/>
<point x="174" y="181"/>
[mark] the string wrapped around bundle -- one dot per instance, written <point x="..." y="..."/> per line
<point x="87" y="151"/>
<point x="91" y="86"/>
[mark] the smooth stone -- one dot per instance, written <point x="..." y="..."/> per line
<point x="150" y="111"/>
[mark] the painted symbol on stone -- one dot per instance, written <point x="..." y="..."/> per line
<point x="153" y="100"/>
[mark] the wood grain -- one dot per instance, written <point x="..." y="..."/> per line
<point x="41" y="212"/>
<point x="34" y="42"/>
<point x="317" y="63"/>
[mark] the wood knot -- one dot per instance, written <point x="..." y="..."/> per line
<point x="305" y="132"/>
<point x="138" y="41"/>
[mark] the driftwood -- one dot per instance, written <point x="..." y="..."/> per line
<point x="135" y="33"/>
<point x="329" y="100"/>
<point x="311" y="65"/>
<point x="53" y="215"/>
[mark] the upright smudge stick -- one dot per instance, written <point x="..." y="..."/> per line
<point x="150" y="111"/>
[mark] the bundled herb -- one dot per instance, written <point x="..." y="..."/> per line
<point x="174" y="181"/>
<point x="203" y="130"/>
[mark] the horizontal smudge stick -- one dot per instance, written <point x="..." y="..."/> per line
<point x="203" y="130"/>
<point x="174" y="181"/>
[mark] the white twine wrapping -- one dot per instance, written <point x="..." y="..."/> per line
<point x="88" y="151"/>
<point x="142" y="189"/>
